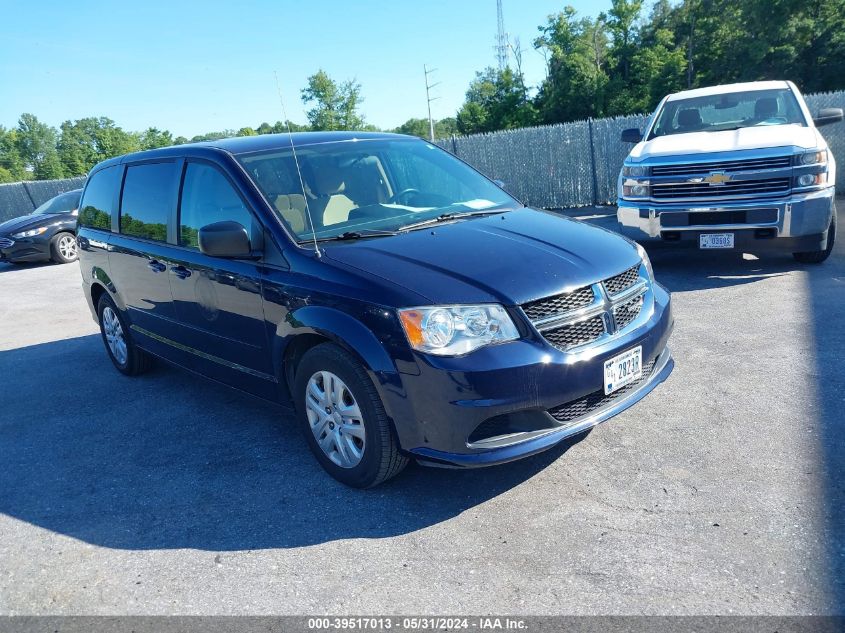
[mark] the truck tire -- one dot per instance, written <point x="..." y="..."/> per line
<point x="817" y="257"/>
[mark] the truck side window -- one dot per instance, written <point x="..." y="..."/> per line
<point x="95" y="210"/>
<point x="208" y="197"/>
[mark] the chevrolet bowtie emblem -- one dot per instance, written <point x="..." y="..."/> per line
<point x="717" y="178"/>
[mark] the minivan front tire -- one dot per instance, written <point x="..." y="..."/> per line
<point x="343" y="419"/>
<point x="127" y="357"/>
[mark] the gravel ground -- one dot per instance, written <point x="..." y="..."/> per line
<point x="722" y="492"/>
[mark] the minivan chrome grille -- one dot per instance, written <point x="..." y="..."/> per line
<point x="589" y="313"/>
<point x="560" y="303"/>
<point x="762" y="187"/>
<point x="751" y="164"/>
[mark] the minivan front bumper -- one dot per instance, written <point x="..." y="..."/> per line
<point x="793" y="224"/>
<point x="517" y="387"/>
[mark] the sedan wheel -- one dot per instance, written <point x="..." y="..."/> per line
<point x="64" y="248"/>
<point x="335" y="419"/>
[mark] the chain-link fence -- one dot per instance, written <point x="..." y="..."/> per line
<point x="552" y="166"/>
<point x="574" y="164"/>
<point x="21" y="198"/>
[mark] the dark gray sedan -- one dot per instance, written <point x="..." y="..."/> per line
<point x="47" y="233"/>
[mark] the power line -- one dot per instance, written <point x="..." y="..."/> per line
<point x="429" y="99"/>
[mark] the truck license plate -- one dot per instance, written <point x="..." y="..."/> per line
<point x="716" y="240"/>
<point x="623" y="369"/>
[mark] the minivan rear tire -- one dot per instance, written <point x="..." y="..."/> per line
<point x="136" y="360"/>
<point x="817" y="257"/>
<point x="381" y="459"/>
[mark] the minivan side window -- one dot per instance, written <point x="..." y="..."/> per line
<point x="208" y="197"/>
<point x="148" y="198"/>
<point x="95" y="210"/>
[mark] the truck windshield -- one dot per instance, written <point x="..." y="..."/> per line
<point x="728" y="111"/>
<point x="369" y="187"/>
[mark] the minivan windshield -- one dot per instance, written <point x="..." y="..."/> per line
<point x="728" y="111"/>
<point x="369" y="188"/>
<point x="64" y="203"/>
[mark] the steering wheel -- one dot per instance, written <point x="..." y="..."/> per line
<point x="395" y="197"/>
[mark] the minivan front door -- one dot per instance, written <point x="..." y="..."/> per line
<point x="218" y="301"/>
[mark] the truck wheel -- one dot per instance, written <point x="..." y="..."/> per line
<point x="817" y="257"/>
<point x="343" y="418"/>
<point x="63" y="248"/>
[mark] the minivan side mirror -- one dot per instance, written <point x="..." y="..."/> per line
<point x="224" y="239"/>
<point x="632" y="135"/>
<point x="827" y="116"/>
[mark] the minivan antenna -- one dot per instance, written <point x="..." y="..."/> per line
<point x="298" y="170"/>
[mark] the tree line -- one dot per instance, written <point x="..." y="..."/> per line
<point x="623" y="62"/>
<point x="620" y="62"/>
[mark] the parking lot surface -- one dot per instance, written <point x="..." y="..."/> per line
<point x="722" y="492"/>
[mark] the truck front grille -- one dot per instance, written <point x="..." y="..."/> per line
<point x="571" y="412"/>
<point x="751" y="164"/>
<point x="763" y="187"/>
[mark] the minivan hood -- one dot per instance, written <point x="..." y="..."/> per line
<point x="747" y="138"/>
<point x="509" y="258"/>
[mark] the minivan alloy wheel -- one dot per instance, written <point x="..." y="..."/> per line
<point x="67" y="246"/>
<point x="114" y="335"/>
<point x="335" y="419"/>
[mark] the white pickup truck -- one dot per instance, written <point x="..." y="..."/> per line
<point x="740" y="166"/>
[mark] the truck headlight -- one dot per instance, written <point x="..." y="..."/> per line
<point x="454" y="330"/>
<point x="635" y="189"/>
<point x="29" y="233"/>
<point x="811" y="158"/>
<point x="635" y="171"/>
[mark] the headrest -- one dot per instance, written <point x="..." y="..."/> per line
<point x="689" y="117"/>
<point x="765" y="108"/>
<point x="326" y="177"/>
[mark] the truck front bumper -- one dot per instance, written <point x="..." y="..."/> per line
<point x="797" y="223"/>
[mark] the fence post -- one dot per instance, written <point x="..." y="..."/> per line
<point x="454" y="145"/>
<point x="593" y="163"/>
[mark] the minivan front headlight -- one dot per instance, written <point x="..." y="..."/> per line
<point x="456" y="329"/>
<point x="29" y="233"/>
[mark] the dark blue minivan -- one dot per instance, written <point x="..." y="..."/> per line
<point x="407" y="306"/>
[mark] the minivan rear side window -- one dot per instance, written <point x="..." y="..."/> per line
<point x="149" y="196"/>
<point x="95" y="210"/>
<point x="208" y="197"/>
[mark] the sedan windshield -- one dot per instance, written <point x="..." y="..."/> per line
<point x="728" y="111"/>
<point x="369" y="188"/>
<point x="64" y="203"/>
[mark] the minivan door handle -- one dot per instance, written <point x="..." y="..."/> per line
<point x="180" y="271"/>
<point x="156" y="266"/>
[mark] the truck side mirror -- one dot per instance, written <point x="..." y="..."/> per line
<point x="827" y="116"/>
<point x="632" y="135"/>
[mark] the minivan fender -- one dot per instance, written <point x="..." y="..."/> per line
<point x="338" y="327"/>
<point x="100" y="277"/>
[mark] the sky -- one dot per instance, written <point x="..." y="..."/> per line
<point x="199" y="66"/>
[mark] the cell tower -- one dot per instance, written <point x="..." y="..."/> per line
<point x="501" y="38"/>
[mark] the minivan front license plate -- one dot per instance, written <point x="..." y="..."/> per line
<point x="623" y="369"/>
<point x="716" y="240"/>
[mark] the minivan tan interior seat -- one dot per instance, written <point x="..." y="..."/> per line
<point x="330" y="204"/>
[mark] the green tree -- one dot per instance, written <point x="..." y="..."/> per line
<point x="247" y="131"/>
<point x="443" y="128"/>
<point x="36" y="144"/>
<point x="335" y="106"/>
<point x="10" y="158"/>
<point x="496" y="100"/>
<point x="152" y="138"/>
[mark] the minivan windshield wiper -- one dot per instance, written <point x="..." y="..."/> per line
<point x="445" y="217"/>
<point x="355" y="235"/>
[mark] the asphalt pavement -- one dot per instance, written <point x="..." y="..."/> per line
<point x="720" y="493"/>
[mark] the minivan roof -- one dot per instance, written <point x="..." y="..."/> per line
<point x="247" y="144"/>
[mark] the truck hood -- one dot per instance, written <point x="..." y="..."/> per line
<point x="509" y="258"/>
<point x="748" y="138"/>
